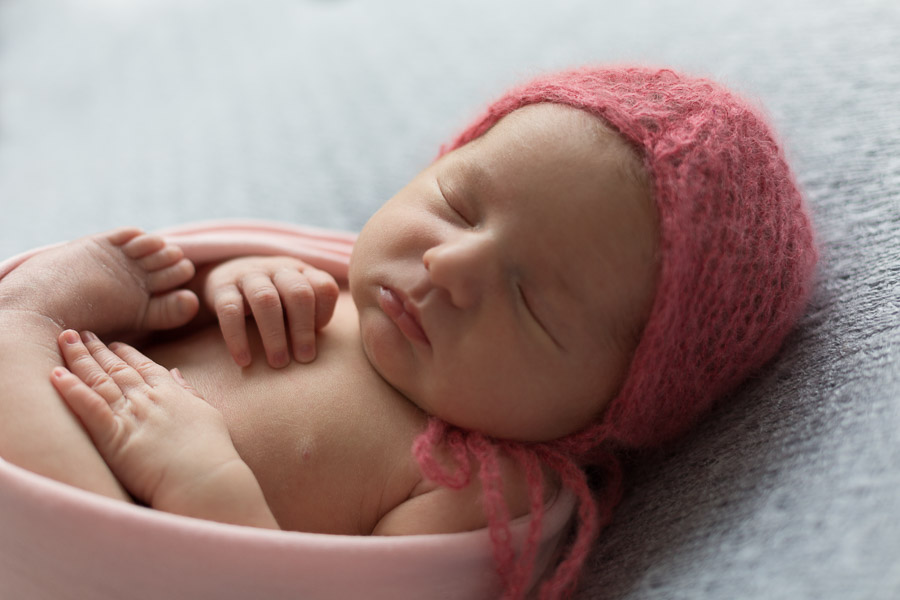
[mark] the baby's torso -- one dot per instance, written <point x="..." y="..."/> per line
<point x="328" y="441"/>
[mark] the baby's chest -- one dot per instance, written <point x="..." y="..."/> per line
<point x="329" y="442"/>
<point x="333" y="473"/>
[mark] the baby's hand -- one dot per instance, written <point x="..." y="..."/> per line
<point x="167" y="446"/>
<point x="270" y="288"/>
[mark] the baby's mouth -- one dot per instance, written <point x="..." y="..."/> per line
<point x="403" y="313"/>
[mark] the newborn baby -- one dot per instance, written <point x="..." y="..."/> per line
<point x="589" y="265"/>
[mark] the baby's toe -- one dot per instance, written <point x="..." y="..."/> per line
<point x="166" y="256"/>
<point x="143" y="245"/>
<point x="122" y="236"/>
<point x="171" y="310"/>
<point x="171" y="276"/>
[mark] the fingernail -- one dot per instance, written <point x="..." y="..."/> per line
<point x="89" y="336"/>
<point x="58" y="372"/>
<point x="280" y="358"/>
<point x="306" y="353"/>
<point x="70" y="337"/>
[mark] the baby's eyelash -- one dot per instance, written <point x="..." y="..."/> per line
<point x="524" y="299"/>
<point x="534" y="315"/>
<point x="453" y="206"/>
<point x="459" y="213"/>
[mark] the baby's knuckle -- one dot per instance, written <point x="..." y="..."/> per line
<point x="145" y="366"/>
<point x="230" y="310"/>
<point x="118" y="369"/>
<point x="265" y="298"/>
<point x="274" y="339"/>
<point x="300" y="292"/>
<point x="82" y="359"/>
<point x="304" y="335"/>
<point x="97" y="380"/>
<point x="289" y="263"/>
<point x="329" y="290"/>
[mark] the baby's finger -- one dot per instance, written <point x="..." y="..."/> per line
<point x="265" y="304"/>
<point x="327" y="292"/>
<point x="229" y="306"/>
<point x="83" y="364"/>
<point x="89" y="406"/>
<point x="124" y="375"/>
<point x="300" y="306"/>
<point x="180" y="380"/>
<point x="152" y="373"/>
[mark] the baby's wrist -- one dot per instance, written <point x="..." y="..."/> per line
<point x="227" y="492"/>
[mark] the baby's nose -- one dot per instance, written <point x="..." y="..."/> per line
<point x="464" y="266"/>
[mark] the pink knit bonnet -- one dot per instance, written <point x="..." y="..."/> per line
<point x="736" y="260"/>
<point x="736" y="244"/>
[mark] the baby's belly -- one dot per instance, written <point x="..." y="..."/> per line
<point x="329" y="441"/>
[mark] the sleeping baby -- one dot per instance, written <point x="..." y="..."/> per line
<point x="583" y="271"/>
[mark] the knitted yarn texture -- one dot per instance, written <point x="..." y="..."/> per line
<point x="736" y="259"/>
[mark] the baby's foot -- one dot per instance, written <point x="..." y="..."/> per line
<point x="117" y="282"/>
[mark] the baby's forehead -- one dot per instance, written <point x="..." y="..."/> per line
<point x="569" y="130"/>
<point x="547" y="120"/>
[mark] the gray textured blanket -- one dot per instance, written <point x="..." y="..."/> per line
<point x="161" y="112"/>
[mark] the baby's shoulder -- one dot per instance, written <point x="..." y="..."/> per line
<point x="434" y="508"/>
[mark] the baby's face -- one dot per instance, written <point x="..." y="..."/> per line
<point x="504" y="288"/>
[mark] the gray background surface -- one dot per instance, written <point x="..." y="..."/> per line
<point x="161" y="112"/>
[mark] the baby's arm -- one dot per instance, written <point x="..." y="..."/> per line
<point x="271" y="288"/>
<point x="166" y="445"/>
<point x="434" y="508"/>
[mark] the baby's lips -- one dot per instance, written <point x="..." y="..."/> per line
<point x="403" y="314"/>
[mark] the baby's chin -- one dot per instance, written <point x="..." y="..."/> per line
<point x="384" y="360"/>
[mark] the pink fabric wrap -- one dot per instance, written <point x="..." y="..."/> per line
<point x="60" y="542"/>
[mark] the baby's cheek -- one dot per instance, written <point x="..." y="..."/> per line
<point x="387" y="350"/>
